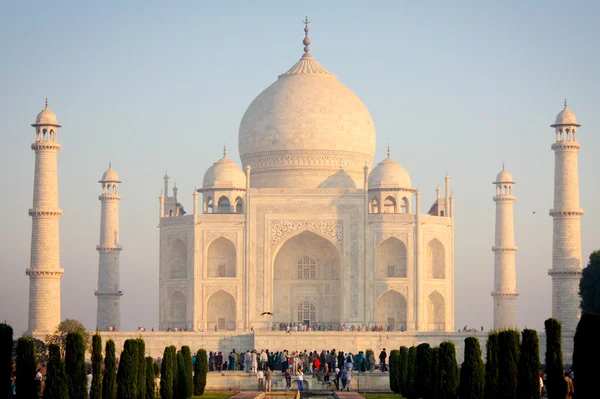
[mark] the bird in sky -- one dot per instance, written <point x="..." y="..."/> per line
<point x="264" y="313"/>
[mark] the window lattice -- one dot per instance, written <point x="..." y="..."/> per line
<point x="307" y="269"/>
<point x="307" y="311"/>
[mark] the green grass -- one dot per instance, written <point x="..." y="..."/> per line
<point x="381" y="396"/>
<point x="215" y="395"/>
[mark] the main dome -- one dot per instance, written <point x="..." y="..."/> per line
<point x="304" y="129"/>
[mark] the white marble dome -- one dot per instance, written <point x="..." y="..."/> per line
<point x="504" y="177"/>
<point x="389" y="174"/>
<point x="110" y="176"/>
<point x="565" y="117"/>
<point x="46" y="117"/>
<point x="304" y="128"/>
<point x="224" y="174"/>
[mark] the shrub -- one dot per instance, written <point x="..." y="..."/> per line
<point x="150" y="383"/>
<point x="126" y="375"/>
<point x="448" y="371"/>
<point x="410" y="372"/>
<point x="200" y="371"/>
<point x="586" y="355"/>
<point x="508" y="363"/>
<point x="423" y="371"/>
<point x="588" y="285"/>
<point x="403" y="361"/>
<point x="56" y="377"/>
<point x="434" y="384"/>
<point x="26" y="384"/>
<point x="187" y="360"/>
<point x="109" y="382"/>
<point x="181" y="390"/>
<point x="96" y="389"/>
<point x="555" y="381"/>
<point x="394" y="374"/>
<point x="141" y="368"/>
<point x="529" y="366"/>
<point x="491" y="366"/>
<point x="472" y="372"/>
<point x="75" y="366"/>
<point x="166" y="374"/>
<point x="6" y="345"/>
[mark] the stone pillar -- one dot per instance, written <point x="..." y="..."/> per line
<point x="505" y="277"/>
<point x="566" y="238"/>
<point x="109" y="292"/>
<point x="44" y="269"/>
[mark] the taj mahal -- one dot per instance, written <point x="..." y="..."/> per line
<point x="310" y="229"/>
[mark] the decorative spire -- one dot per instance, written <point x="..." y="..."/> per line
<point x="565" y="102"/>
<point x="46" y="102"/>
<point x="109" y="164"/>
<point x="502" y="165"/>
<point x="388" y="150"/>
<point x="306" y="40"/>
<point x="224" y="150"/>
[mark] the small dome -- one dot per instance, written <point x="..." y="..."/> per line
<point x="46" y="117"/>
<point x="504" y="177"/>
<point x="224" y="174"/>
<point x="565" y="117"/>
<point x="110" y="176"/>
<point x="389" y="174"/>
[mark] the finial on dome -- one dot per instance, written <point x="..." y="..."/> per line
<point x="502" y="165"/>
<point x="565" y="102"/>
<point x="306" y="40"/>
<point x="109" y="164"/>
<point x="388" y="150"/>
<point x="46" y="102"/>
<point x="224" y="150"/>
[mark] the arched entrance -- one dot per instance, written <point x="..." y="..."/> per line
<point x="436" y="312"/>
<point x="177" y="310"/>
<point x="221" y="311"/>
<point x="391" y="311"/>
<point x="307" y="281"/>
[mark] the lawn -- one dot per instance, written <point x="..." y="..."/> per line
<point x="381" y="396"/>
<point x="215" y="395"/>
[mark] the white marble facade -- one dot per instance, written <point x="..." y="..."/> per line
<point x="306" y="231"/>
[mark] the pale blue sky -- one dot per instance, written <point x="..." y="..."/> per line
<point x="456" y="86"/>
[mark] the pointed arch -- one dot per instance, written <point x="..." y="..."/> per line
<point x="221" y="311"/>
<point x="307" y="311"/>
<point x="224" y="205"/>
<point x="177" y="259"/>
<point x="374" y="205"/>
<point x="239" y="205"/>
<point x="405" y="206"/>
<point x="436" y="312"/>
<point x="221" y="258"/>
<point x="389" y="205"/>
<point x="177" y="309"/>
<point x="208" y="205"/>
<point x="391" y="259"/>
<point x="392" y="311"/>
<point x="436" y="260"/>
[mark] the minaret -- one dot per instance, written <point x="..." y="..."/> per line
<point x="505" y="276"/>
<point x="566" y="231"/>
<point x="44" y="268"/>
<point x="109" y="293"/>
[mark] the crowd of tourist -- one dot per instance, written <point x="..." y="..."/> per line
<point x="295" y="327"/>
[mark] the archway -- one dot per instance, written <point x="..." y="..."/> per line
<point x="239" y="205"/>
<point x="177" y="310"/>
<point x="177" y="260"/>
<point x="221" y="311"/>
<point x="436" y="260"/>
<point x="374" y="206"/>
<point x="389" y="205"/>
<point x="436" y="312"/>
<point x="221" y="258"/>
<point x="223" y="205"/>
<point x="391" y="311"/>
<point x="307" y="269"/>
<point x="391" y="259"/>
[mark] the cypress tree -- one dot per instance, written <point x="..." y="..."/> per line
<point x="434" y="384"/>
<point x="448" y="371"/>
<point x="508" y="364"/>
<point x="150" y="383"/>
<point x="175" y="370"/>
<point x="529" y="366"/>
<point x="200" y="371"/>
<point x="56" y="377"/>
<point x="126" y="375"/>
<point x="588" y="285"/>
<point x="75" y="366"/>
<point x="96" y="390"/>
<point x="6" y="346"/>
<point x="410" y="372"/>
<point x="26" y="384"/>
<point x="586" y="354"/>
<point x="109" y="382"/>
<point x="472" y="372"/>
<point x="423" y="371"/>
<point x="181" y="390"/>
<point x="187" y="359"/>
<point x="491" y="366"/>
<point x="394" y="374"/>
<point x="403" y="362"/>
<point x="555" y="381"/>
<point x="166" y="374"/>
<point x="141" y="368"/>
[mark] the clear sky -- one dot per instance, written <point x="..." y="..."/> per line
<point x="151" y="85"/>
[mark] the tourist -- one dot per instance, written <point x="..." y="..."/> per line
<point x="211" y="361"/>
<point x="349" y="379"/>
<point x="220" y="361"/>
<point x="300" y="378"/>
<point x="341" y="360"/>
<point x="372" y="362"/>
<point x="288" y="379"/>
<point x="254" y="361"/>
<point x="338" y="376"/>
<point x="344" y="375"/>
<point x="89" y="381"/>
<point x="39" y="382"/>
<point x="569" y="386"/>
<point x="259" y="377"/>
<point x="263" y="359"/>
<point x="382" y="357"/>
<point x="233" y="360"/>
<point x="268" y="378"/>
<point x="349" y="361"/>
